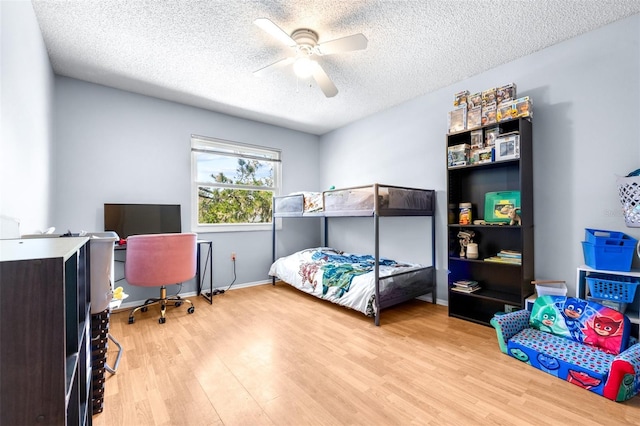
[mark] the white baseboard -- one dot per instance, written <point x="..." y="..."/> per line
<point x="133" y="303"/>
<point x="427" y="298"/>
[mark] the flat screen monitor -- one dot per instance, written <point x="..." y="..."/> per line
<point x="135" y="219"/>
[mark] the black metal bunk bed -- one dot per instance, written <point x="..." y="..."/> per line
<point x="374" y="201"/>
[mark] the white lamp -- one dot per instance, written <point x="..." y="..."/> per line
<point x="304" y="67"/>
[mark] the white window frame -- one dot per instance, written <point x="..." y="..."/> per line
<point x="221" y="146"/>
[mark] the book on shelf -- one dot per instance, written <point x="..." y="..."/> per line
<point x="465" y="286"/>
<point x="499" y="259"/>
<point x="465" y="283"/>
<point x="465" y="289"/>
<point x="512" y="254"/>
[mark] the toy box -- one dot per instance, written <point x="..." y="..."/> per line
<point x="498" y="204"/>
<point x="460" y="98"/>
<point x="523" y="107"/>
<point x="481" y="155"/>
<point x="507" y="147"/>
<point x="506" y="111"/>
<point x="476" y="139"/>
<point x="474" y="118"/>
<point x="458" y="119"/>
<point x="474" y="100"/>
<point x="488" y="114"/>
<point x="458" y="155"/>
<point x="490" y="136"/>
<point x="488" y="96"/>
<point x="506" y="93"/>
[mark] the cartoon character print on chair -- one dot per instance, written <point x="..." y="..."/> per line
<point x="546" y="319"/>
<point x="549" y="364"/>
<point x="626" y="390"/>
<point x="573" y="311"/>
<point x="521" y="355"/>
<point x="605" y="333"/>
<point x="581" y="321"/>
<point x="582" y="379"/>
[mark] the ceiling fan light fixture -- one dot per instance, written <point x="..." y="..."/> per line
<point x="304" y="67"/>
<point x="305" y="44"/>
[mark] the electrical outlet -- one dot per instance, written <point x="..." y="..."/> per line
<point x="233" y="256"/>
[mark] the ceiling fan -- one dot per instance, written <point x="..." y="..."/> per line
<point x="304" y="42"/>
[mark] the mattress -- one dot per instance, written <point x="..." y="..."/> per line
<point x="342" y="278"/>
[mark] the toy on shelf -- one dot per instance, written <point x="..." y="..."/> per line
<point x="465" y="238"/>
<point x="514" y="216"/>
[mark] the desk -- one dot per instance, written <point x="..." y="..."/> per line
<point x="201" y="270"/>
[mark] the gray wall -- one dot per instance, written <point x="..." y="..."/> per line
<point x="585" y="132"/>
<point x="26" y="81"/>
<point x="114" y="146"/>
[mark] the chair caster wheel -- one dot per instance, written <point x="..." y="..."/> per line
<point x="191" y="310"/>
<point x="178" y="304"/>
<point x="144" y="309"/>
<point x="131" y="320"/>
<point x="162" y="320"/>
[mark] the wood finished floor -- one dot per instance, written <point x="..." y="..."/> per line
<point x="275" y="356"/>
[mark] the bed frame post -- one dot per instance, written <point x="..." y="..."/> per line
<point x="376" y="236"/>
<point x="273" y="237"/>
<point x="376" y="277"/>
<point x="326" y="231"/>
<point x="433" y="248"/>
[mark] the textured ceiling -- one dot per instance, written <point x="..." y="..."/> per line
<point x="203" y="53"/>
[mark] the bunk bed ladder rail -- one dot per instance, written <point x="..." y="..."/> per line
<point x="376" y="237"/>
<point x="273" y="237"/>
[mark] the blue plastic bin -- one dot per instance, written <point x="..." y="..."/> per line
<point x="608" y="258"/>
<point x="608" y="250"/>
<point x="612" y="287"/>
<point x="599" y="237"/>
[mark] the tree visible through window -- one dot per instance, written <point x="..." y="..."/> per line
<point x="235" y="183"/>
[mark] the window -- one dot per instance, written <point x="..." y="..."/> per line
<point x="233" y="185"/>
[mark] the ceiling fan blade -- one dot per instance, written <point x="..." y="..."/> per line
<point x="324" y="82"/>
<point x="274" y="66"/>
<point x="344" y="44"/>
<point x="275" y="31"/>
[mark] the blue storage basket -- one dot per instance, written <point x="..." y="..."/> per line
<point x="608" y="250"/>
<point x="608" y="258"/>
<point x="600" y="237"/>
<point x="612" y="287"/>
